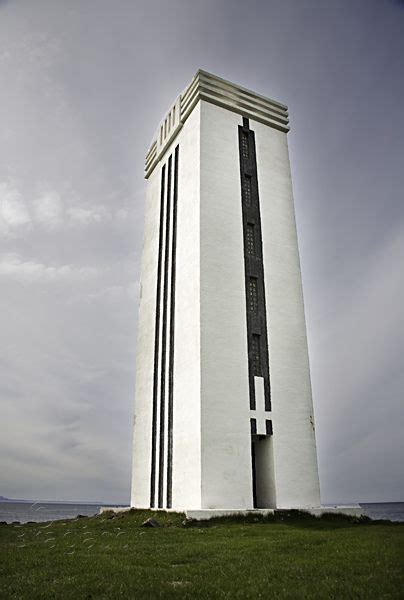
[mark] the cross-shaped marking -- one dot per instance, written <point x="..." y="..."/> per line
<point x="260" y="414"/>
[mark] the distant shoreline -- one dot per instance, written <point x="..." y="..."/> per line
<point x="4" y="499"/>
<point x="80" y="502"/>
<point x="13" y="510"/>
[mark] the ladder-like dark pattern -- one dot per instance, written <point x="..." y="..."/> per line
<point x="258" y="358"/>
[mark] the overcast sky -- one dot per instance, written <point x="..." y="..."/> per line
<point x="83" y="88"/>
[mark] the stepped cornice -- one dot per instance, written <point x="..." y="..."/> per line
<point x="213" y="89"/>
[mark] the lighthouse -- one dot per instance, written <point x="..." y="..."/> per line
<point x="223" y="405"/>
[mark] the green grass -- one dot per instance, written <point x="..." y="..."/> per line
<point x="293" y="556"/>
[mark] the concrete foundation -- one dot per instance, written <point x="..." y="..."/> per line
<point x="353" y="510"/>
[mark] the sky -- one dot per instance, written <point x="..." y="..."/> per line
<point x="84" y="86"/>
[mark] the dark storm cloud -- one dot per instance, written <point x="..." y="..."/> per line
<point x="84" y="87"/>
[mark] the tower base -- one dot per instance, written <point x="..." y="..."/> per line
<point x="214" y="513"/>
<point x="351" y="510"/>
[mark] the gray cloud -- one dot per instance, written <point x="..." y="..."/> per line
<point x="83" y="88"/>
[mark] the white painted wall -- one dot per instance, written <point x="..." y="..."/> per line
<point x="226" y="445"/>
<point x="186" y="416"/>
<point x="295" y="460"/>
<point x="187" y="387"/>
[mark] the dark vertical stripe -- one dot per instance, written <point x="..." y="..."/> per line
<point x="257" y="336"/>
<point x="156" y="343"/>
<point x="172" y="326"/>
<point x="164" y="338"/>
<point x="262" y="300"/>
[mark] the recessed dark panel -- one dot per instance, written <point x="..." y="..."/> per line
<point x="164" y="337"/>
<point x="172" y="326"/>
<point x="268" y="426"/>
<point x="257" y="337"/>
<point x="157" y="341"/>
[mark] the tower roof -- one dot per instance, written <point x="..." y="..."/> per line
<point x="213" y="89"/>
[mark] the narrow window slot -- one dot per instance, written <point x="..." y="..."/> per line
<point x="253" y="295"/>
<point x="245" y="150"/>
<point x="256" y="353"/>
<point x="247" y="190"/>
<point x="250" y="239"/>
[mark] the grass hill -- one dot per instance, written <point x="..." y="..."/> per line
<point x="290" y="556"/>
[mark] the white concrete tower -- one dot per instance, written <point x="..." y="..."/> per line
<point x="223" y="407"/>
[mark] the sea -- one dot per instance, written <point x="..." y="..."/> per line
<point x="39" y="512"/>
<point x="24" y="512"/>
